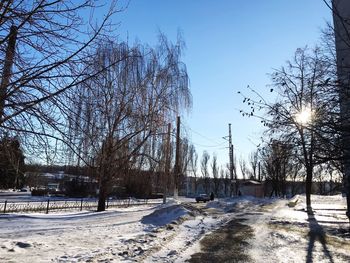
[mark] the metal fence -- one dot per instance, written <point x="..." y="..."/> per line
<point x="78" y="204"/>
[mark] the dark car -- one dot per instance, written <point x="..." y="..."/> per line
<point x="202" y="198"/>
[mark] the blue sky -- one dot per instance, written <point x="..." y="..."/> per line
<point x="229" y="44"/>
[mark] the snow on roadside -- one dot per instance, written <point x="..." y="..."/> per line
<point x="150" y="233"/>
<point x="125" y="234"/>
<point x="73" y="237"/>
<point x="172" y="232"/>
<point x="289" y="234"/>
<point x="165" y="215"/>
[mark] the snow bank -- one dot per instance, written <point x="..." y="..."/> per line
<point x="233" y="204"/>
<point x="165" y="215"/>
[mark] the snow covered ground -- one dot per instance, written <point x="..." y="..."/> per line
<point x="285" y="234"/>
<point x="173" y="232"/>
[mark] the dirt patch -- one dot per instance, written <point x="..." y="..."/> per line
<point x="266" y="207"/>
<point x="227" y="244"/>
<point x="194" y="209"/>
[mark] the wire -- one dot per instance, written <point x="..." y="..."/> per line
<point x="215" y="145"/>
<point x="205" y="137"/>
<point x="251" y="141"/>
<point x="209" y="146"/>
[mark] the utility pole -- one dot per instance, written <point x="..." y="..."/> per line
<point x="231" y="159"/>
<point x="234" y="171"/>
<point x="167" y="164"/>
<point x="177" y="159"/>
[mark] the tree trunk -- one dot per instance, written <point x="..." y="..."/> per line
<point x="167" y="164"/>
<point x="195" y="184"/>
<point x="5" y="79"/>
<point x="177" y="160"/>
<point x="101" y="202"/>
<point x="102" y="195"/>
<point x="308" y="185"/>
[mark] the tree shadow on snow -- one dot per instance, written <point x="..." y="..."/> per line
<point x="316" y="233"/>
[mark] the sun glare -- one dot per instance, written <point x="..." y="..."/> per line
<point x="304" y="116"/>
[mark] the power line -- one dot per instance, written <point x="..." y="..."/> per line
<point x="205" y="137"/>
<point x="215" y="145"/>
<point x="209" y="146"/>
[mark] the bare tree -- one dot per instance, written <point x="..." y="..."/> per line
<point x="296" y="174"/>
<point x="11" y="163"/>
<point x="225" y="178"/>
<point x="204" y="171"/>
<point x="122" y="107"/>
<point x="277" y="163"/>
<point x="306" y="111"/>
<point x="186" y="156"/>
<point x="42" y="44"/>
<point x="244" y="168"/>
<point x="193" y="165"/>
<point x="254" y="162"/>
<point x="215" y="172"/>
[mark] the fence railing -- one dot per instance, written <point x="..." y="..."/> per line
<point x="78" y="204"/>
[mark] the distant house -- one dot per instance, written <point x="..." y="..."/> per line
<point x="251" y="188"/>
<point x="61" y="182"/>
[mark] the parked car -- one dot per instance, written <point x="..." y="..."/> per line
<point x="202" y="198"/>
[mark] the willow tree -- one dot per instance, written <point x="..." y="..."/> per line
<point x="115" y="113"/>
